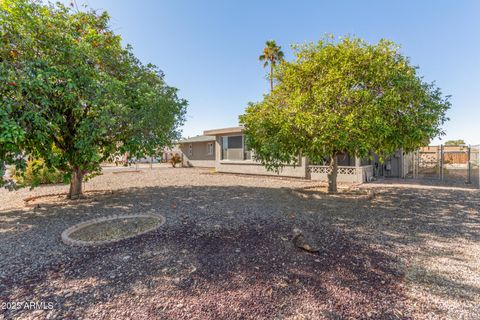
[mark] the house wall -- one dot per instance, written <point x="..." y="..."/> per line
<point x="199" y="156"/>
<point x="393" y="166"/>
<point x="351" y="169"/>
<point x="254" y="167"/>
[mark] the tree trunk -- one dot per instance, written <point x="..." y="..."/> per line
<point x="271" y="76"/>
<point x="332" y="176"/>
<point x="76" y="184"/>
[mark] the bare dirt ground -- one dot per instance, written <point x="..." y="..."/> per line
<point x="225" y="251"/>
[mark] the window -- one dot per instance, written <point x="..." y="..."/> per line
<point x="233" y="148"/>
<point x="210" y="148"/>
<point x="235" y="142"/>
<point x="190" y="149"/>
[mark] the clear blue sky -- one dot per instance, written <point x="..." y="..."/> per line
<point x="210" y="49"/>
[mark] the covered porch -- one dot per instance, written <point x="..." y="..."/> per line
<point x="350" y="170"/>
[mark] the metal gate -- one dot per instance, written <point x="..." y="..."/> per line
<point x="474" y="165"/>
<point x="452" y="165"/>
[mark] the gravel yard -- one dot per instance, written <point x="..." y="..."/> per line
<point x="226" y="251"/>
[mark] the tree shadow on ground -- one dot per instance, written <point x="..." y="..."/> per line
<point x="226" y="252"/>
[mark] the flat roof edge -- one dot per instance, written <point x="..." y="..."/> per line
<point x="203" y="138"/>
<point x="215" y="132"/>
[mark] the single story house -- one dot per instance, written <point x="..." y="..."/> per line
<point x="225" y="150"/>
<point x="198" y="151"/>
<point x="232" y="156"/>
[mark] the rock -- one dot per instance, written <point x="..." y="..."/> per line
<point x="269" y="291"/>
<point x="304" y="241"/>
<point x="126" y="258"/>
<point x="370" y="194"/>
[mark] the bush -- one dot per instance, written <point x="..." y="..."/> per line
<point x="37" y="173"/>
<point x="175" y="159"/>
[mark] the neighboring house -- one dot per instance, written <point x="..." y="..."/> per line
<point x="198" y="151"/>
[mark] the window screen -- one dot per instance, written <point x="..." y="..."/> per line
<point x="235" y="142"/>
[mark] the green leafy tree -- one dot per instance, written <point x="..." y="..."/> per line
<point x="272" y="54"/>
<point x="37" y="173"/>
<point x="458" y="142"/>
<point x="73" y="96"/>
<point x="343" y="96"/>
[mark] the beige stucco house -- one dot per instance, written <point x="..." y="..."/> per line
<point x="198" y="151"/>
<point x="225" y="150"/>
<point x="232" y="156"/>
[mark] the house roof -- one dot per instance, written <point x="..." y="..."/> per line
<point x="203" y="138"/>
<point x="223" y="131"/>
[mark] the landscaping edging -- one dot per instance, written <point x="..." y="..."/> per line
<point x="69" y="241"/>
<point x="32" y="198"/>
<point x="309" y="192"/>
<point x="126" y="171"/>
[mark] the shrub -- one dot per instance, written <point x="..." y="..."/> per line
<point x="37" y="173"/>
<point x="175" y="159"/>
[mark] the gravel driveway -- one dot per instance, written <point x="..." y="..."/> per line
<point x="225" y="251"/>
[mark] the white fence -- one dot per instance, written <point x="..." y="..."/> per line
<point x="345" y="174"/>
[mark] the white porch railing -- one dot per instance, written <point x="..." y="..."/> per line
<point x="345" y="173"/>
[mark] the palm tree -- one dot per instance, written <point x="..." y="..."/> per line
<point x="271" y="55"/>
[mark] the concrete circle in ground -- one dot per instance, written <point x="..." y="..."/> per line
<point x="74" y="242"/>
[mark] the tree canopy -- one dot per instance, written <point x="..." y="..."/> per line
<point x="343" y="96"/>
<point x="459" y="142"/>
<point x="272" y="54"/>
<point x="73" y="96"/>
